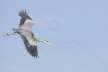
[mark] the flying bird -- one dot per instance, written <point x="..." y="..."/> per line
<point x="25" y="31"/>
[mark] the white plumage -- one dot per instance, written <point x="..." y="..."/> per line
<point x="25" y="31"/>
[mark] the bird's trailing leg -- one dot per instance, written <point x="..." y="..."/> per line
<point x="7" y="34"/>
<point x="45" y="42"/>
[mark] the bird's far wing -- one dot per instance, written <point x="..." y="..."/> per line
<point x="32" y="49"/>
<point x="26" y="21"/>
<point x="24" y="16"/>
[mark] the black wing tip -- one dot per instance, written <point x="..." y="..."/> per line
<point x="33" y="51"/>
<point x="24" y="14"/>
<point x="35" y="56"/>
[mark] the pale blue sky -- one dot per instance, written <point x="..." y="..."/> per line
<point x="78" y="28"/>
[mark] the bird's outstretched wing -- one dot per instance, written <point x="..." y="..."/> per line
<point x="32" y="49"/>
<point x="26" y="21"/>
<point x="24" y="16"/>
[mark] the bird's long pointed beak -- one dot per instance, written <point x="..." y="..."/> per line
<point x="49" y="43"/>
<point x="36" y="22"/>
<point x="46" y="42"/>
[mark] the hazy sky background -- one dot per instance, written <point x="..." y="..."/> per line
<point x="78" y="28"/>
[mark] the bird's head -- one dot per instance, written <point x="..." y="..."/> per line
<point x="47" y="42"/>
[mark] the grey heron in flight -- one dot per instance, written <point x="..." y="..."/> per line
<point x="25" y="31"/>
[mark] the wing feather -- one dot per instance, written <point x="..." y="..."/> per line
<point x="32" y="49"/>
<point x="24" y="16"/>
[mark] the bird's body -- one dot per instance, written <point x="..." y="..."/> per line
<point x="25" y="31"/>
<point x="28" y="35"/>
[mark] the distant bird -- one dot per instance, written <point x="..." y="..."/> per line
<point x="25" y="31"/>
